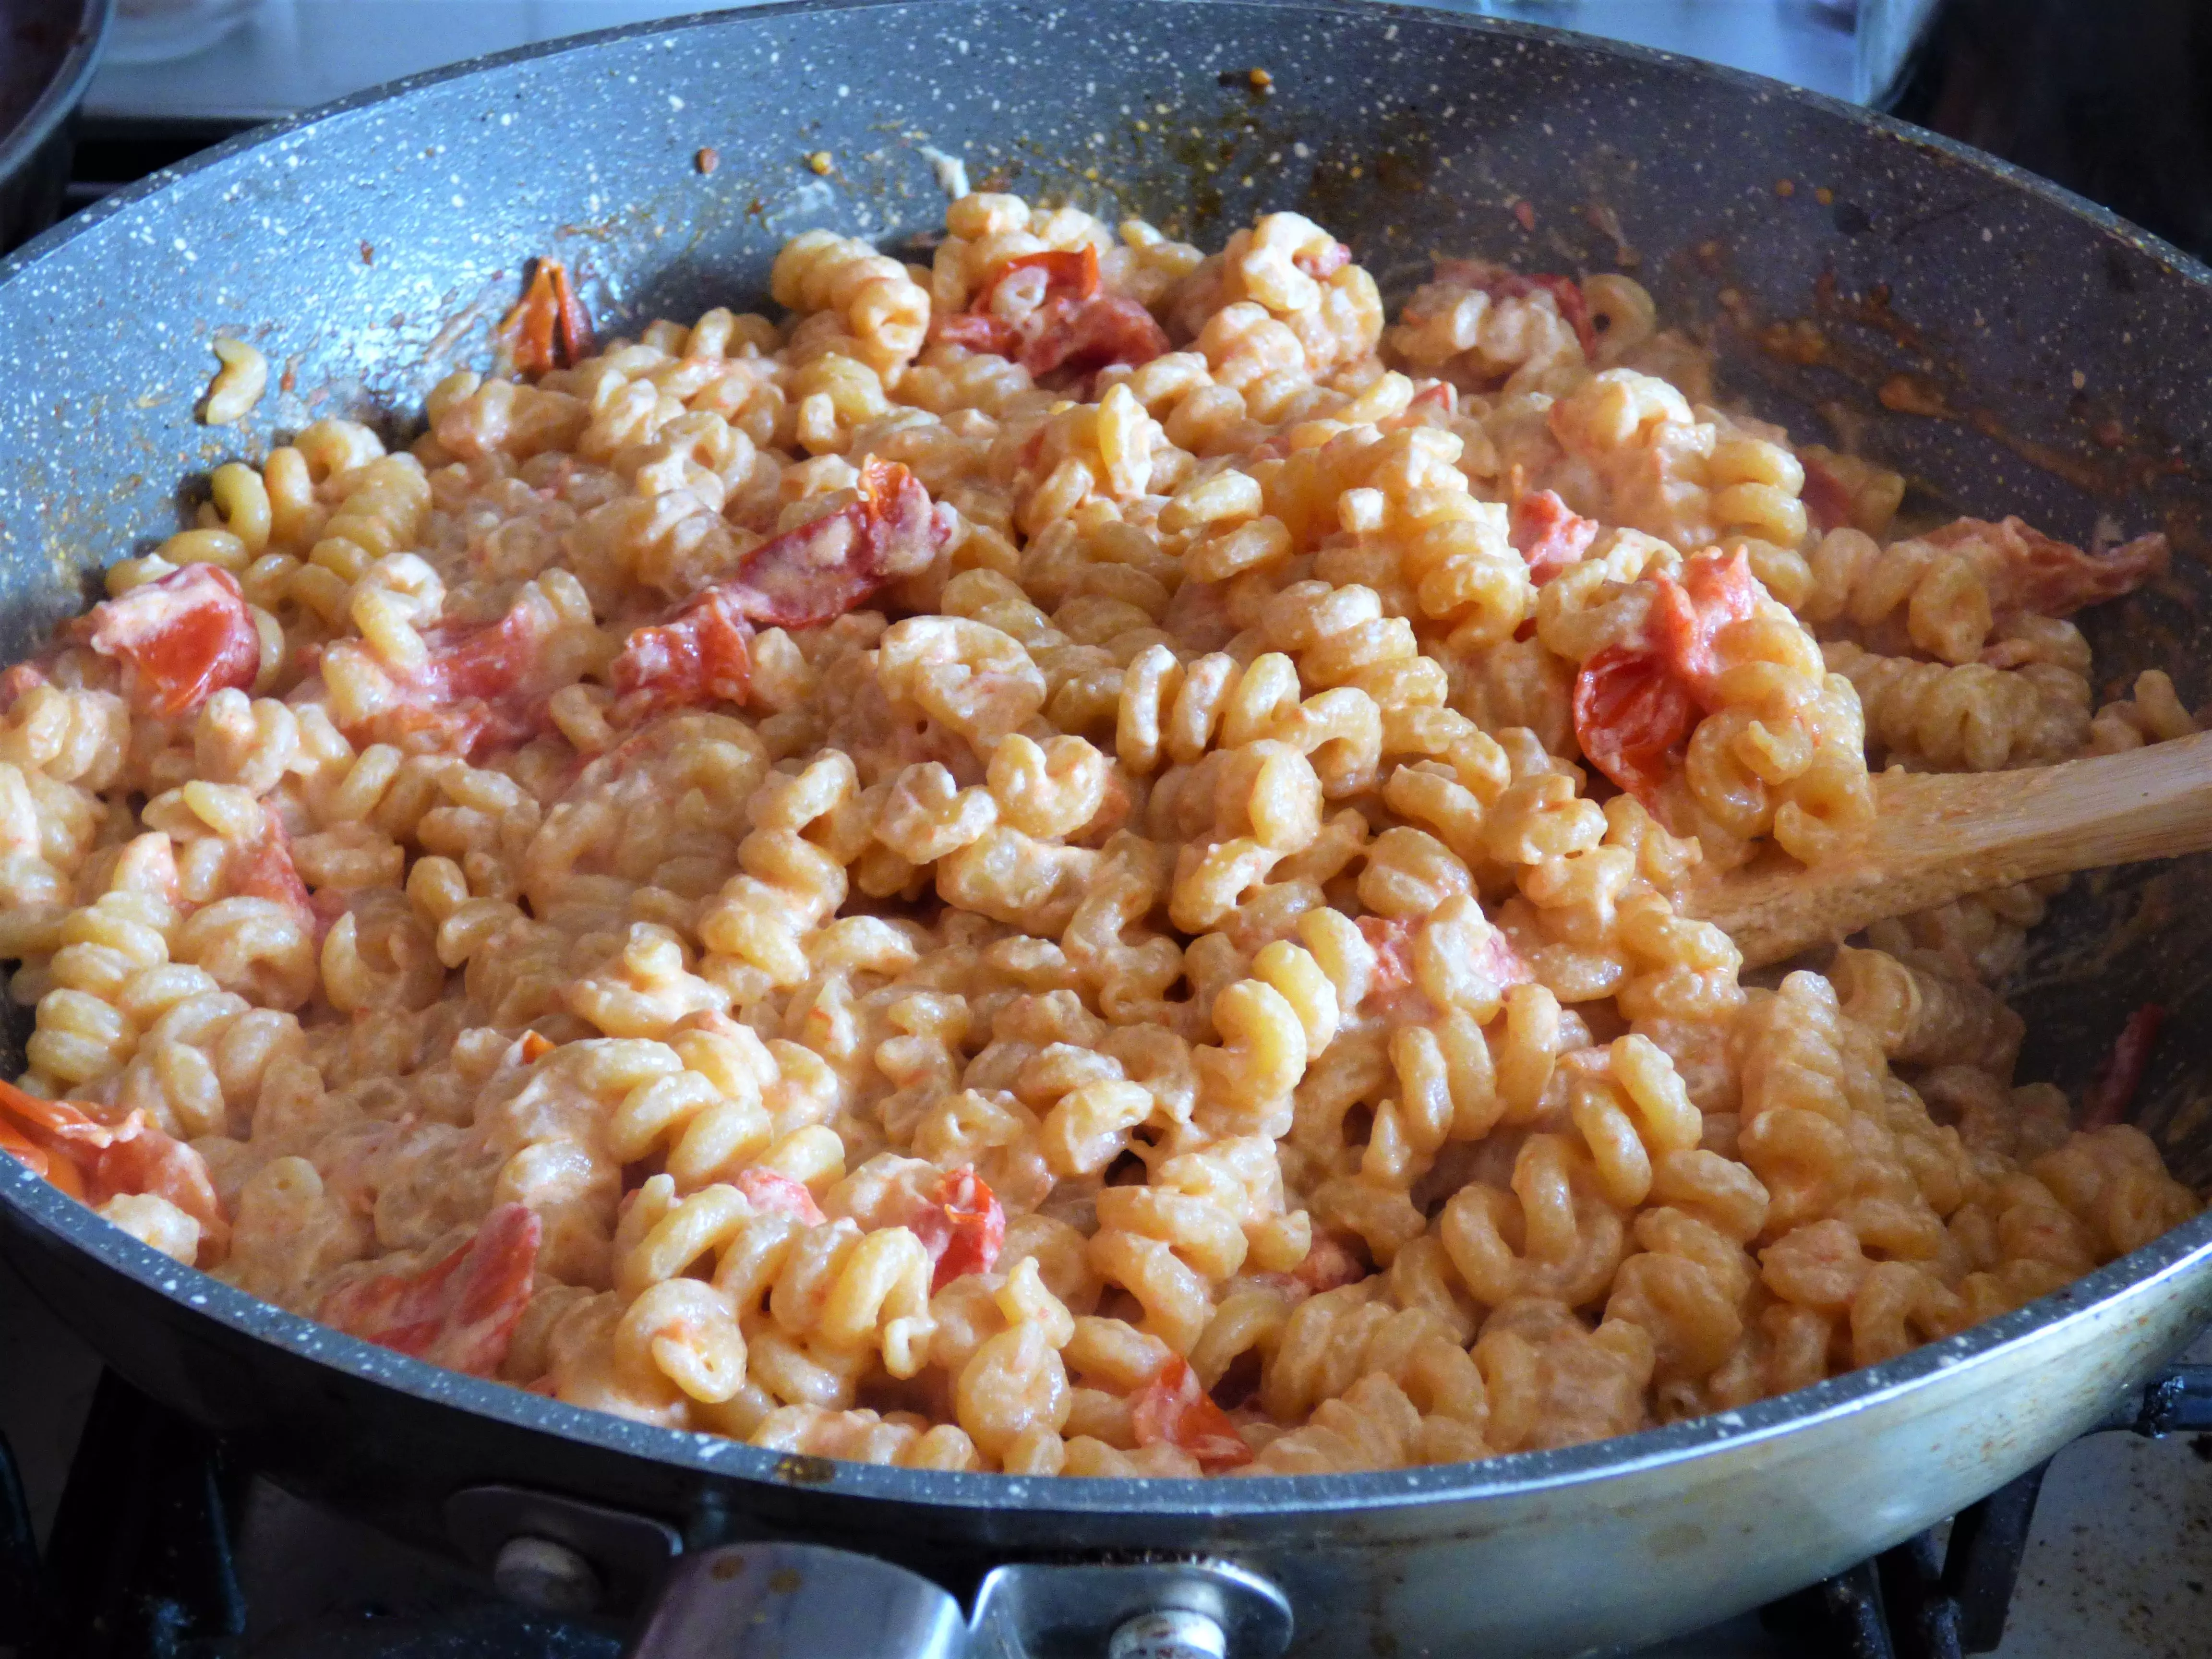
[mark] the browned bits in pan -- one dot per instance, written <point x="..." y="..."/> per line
<point x="548" y="329"/>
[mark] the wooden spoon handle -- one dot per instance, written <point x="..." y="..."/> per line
<point x="1938" y="836"/>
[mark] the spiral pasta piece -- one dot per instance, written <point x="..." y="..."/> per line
<point x="1970" y="717"/>
<point x="878" y="305"/>
<point x="1069" y="860"/>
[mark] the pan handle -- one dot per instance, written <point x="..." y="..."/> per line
<point x="778" y="1600"/>
<point x="2175" y="1400"/>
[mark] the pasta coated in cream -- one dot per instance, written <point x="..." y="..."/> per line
<point x="1064" y="861"/>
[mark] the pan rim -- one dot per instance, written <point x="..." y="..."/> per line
<point x="1508" y="1475"/>
<point x="2176" y="259"/>
<point x="1513" y="1475"/>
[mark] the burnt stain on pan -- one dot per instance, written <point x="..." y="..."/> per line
<point x="1845" y="333"/>
<point x="801" y="1469"/>
<point x="1401" y="165"/>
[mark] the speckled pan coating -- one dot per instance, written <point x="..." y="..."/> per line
<point x="367" y="250"/>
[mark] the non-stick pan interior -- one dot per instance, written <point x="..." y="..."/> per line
<point x="369" y="251"/>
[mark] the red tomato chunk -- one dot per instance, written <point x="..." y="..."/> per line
<point x="1637" y="701"/>
<point x="806" y="576"/>
<point x="964" y="1232"/>
<point x="1173" y="1410"/>
<point x="458" y="1311"/>
<point x="1548" y="536"/>
<point x="180" y="640"/>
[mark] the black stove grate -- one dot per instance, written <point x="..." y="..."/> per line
<point x="1929" y="1598"/>
<point x="165" y="1546"/>
<point x="140" y="1562"/>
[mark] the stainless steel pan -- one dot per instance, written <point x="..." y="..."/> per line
<point x="368" y="248"/>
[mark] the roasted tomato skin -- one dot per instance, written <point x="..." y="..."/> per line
<point x="2112" y="1091"/>
<point x="1714" y="591"/>
<point x="965" y="1228"/>
<point x="93" y="1159"/>
<point x="550" y="328"/>
<point x="1630" y="715"/>
<point x="2027" y="570"/>
<point x="770" y="1190"/>
<point x="1548" y="536"/>
<point x="702" y="654"/>
<point x="482" y="686"/>
<point x="994" y="335"/>
<point x="1073" y="331"/>
<point x="1827" y="503"/>
<point x="1084" y="337"/>
<point x="809" y="575"/>
<point x="264" y="869"/>
<point x="179" y="640"/>
<point x="1174" y="1410"/>
<point x="1635" y="701"/>
<point x="458" y="1310"/>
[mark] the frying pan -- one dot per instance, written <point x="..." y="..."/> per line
<point x="2057" y="358"/>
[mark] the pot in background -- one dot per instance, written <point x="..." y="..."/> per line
<point x="47" y="51"/>
<point x="2113" y="101"/>
<point x="159" y="31"/>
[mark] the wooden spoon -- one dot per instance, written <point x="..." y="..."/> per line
<point x="1940" y="835"/>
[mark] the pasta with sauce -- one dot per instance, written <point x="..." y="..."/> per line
<point x="1065" y="862"/>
